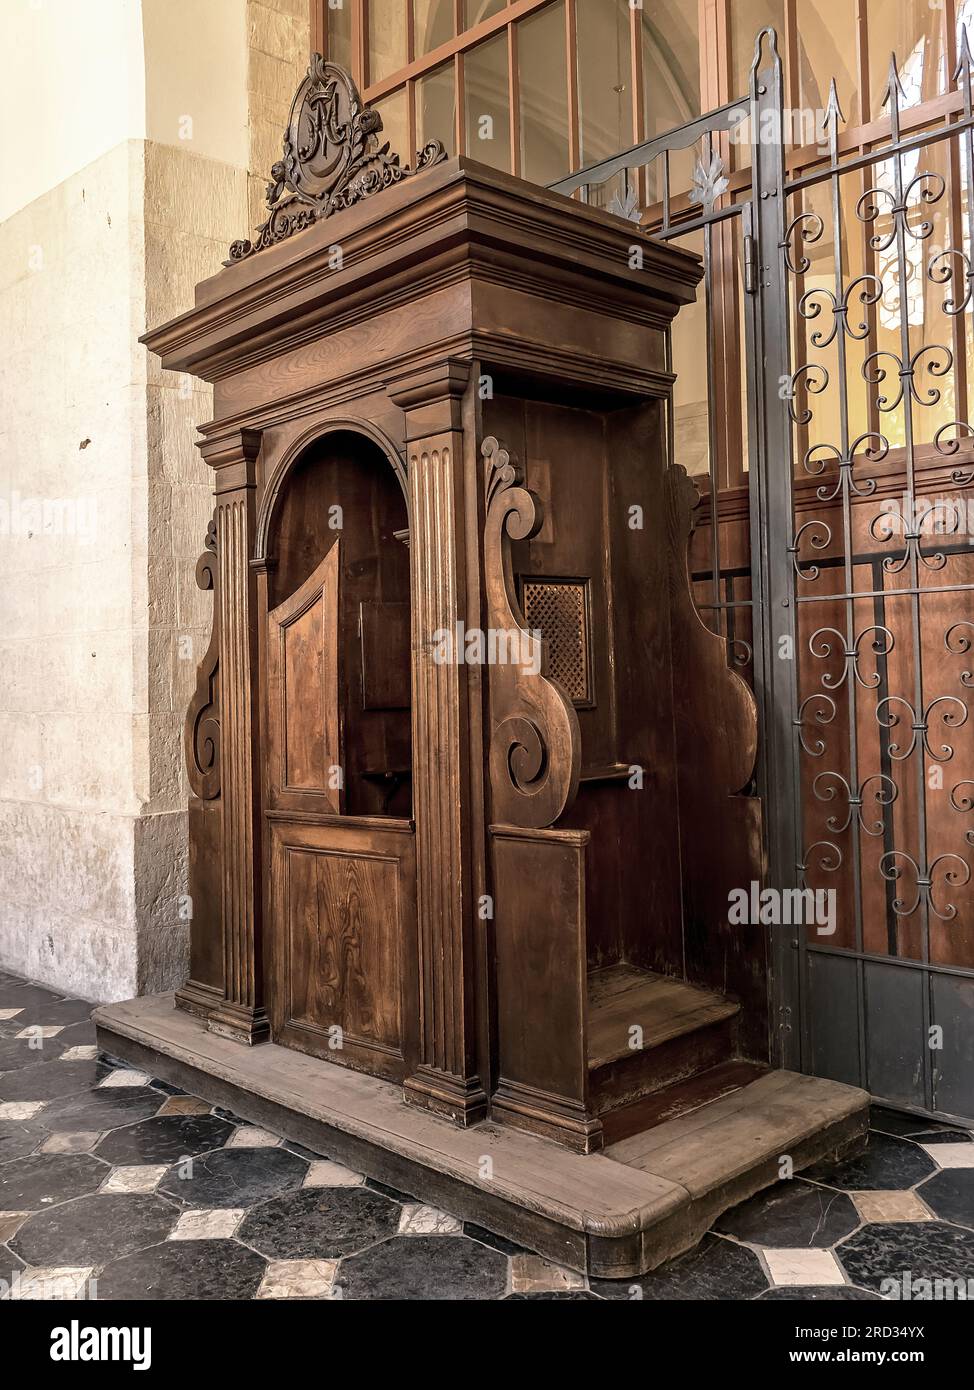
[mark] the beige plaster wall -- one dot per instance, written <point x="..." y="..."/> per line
<point x="103" y="500"/>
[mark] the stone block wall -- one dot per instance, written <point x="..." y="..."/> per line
<point x="104" y="501"/>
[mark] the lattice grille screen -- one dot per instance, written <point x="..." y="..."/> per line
<point x="559" y="609"/>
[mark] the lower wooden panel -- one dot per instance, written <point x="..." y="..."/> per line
<point x="342" y="921"/>
<point x="539" y="911"/>
<point x="204" y="989"/>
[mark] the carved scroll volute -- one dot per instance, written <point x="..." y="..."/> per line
<point x="535" y="745"/>
<point x="202" y="733"/>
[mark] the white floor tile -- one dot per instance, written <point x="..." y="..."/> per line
<point x="217" y="1224"/>
<point x="141" y="1177"/>
<point x="803" y="1267"/>
<point x="298" y="1279"/>
<point x="420" y="1220"/>
<point x="324" y="1173"/>
<point x="252" y="1137"/>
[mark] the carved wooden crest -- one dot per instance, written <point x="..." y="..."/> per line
<point x="331" y="158"/>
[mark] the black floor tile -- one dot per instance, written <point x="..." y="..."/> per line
<point x="898" y="1122"/>
<point x="51" y="1080"/>
<point x="819" y="1293"/>
<point x="166" y="1089"/>
<point x="506" y="1247"/>
<point x="716" y="1269"/>
<point x="943" y="1136"/>
<point x="102" y="1108"/>
<point x="311" y="1155"/>
<point x="184" y="1269"/>
<point x="22" y="995"/>
<point x="950" y="1193"/>
<point x="792" y="1215"/>
<point x="77" y="1035"/>
<point x="886" y="1163"/>
<point x="424" y="1267"/>
<point x="224" y="1114"/>
<point x="561" y="1295"/>
<point x="93" y="1230"/>
<point x="164" y="1139"/>
<point x="393" y="1193"/>
<point x="235" y="1177"/>
<point x="51" y="1011"/>
<point x="17" y="1139"/>
<point x="16" y="1053"/>
<point x="320" y="1223"/>
<point x="43" y="1180"/>
<point x="927" y="1250"/>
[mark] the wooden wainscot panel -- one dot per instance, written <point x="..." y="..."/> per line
<point x="203" y="990"/>
<point x="539" y="928"/>
<point x="343" y="922"/>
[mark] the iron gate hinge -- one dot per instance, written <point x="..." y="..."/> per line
<point x="750" y="264"/>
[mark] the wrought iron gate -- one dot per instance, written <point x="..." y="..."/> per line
<point x="849" y="604"/>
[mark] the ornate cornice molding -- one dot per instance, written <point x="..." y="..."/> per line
<point x="331" y="158"/>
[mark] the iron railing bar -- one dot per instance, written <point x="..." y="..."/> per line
<point x="637" y="155"/>
<point x="902" y="961"/>
<point x="696" y="224"/>
<point x="889" y="593"/>
<point x="862" y="161"/>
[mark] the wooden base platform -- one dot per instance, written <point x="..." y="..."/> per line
<point x="615" y="1214"/>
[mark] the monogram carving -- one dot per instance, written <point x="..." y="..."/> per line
<point x="535" y="744"/>
<point x="331" y="158"/>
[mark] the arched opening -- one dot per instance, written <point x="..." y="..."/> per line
<point x="338" y="632"/>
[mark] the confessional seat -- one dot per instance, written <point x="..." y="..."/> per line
<point x="621" y="997"/>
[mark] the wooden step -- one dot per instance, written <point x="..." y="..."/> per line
<point x="681" y="1098"/>
<point x="729" y="1149"/>
<point x="685" y="1030"/>
<point x="621" y="996"/>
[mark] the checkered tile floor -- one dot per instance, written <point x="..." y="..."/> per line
<point x="113" y="1185"/>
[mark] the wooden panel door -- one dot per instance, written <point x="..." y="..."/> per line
<point x="341" y="888"/>
<point x="303" y="721"/>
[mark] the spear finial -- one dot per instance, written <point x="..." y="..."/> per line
<point x="894" y="87"/>
<point x="965" y="60"/>
<point x="830" y="120"/>
<point x="833" y="110"/>
<point x="893" y="95"/>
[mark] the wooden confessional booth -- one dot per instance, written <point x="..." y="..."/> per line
<point x="470" y="777"/>
<point x="426" y="842"/>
